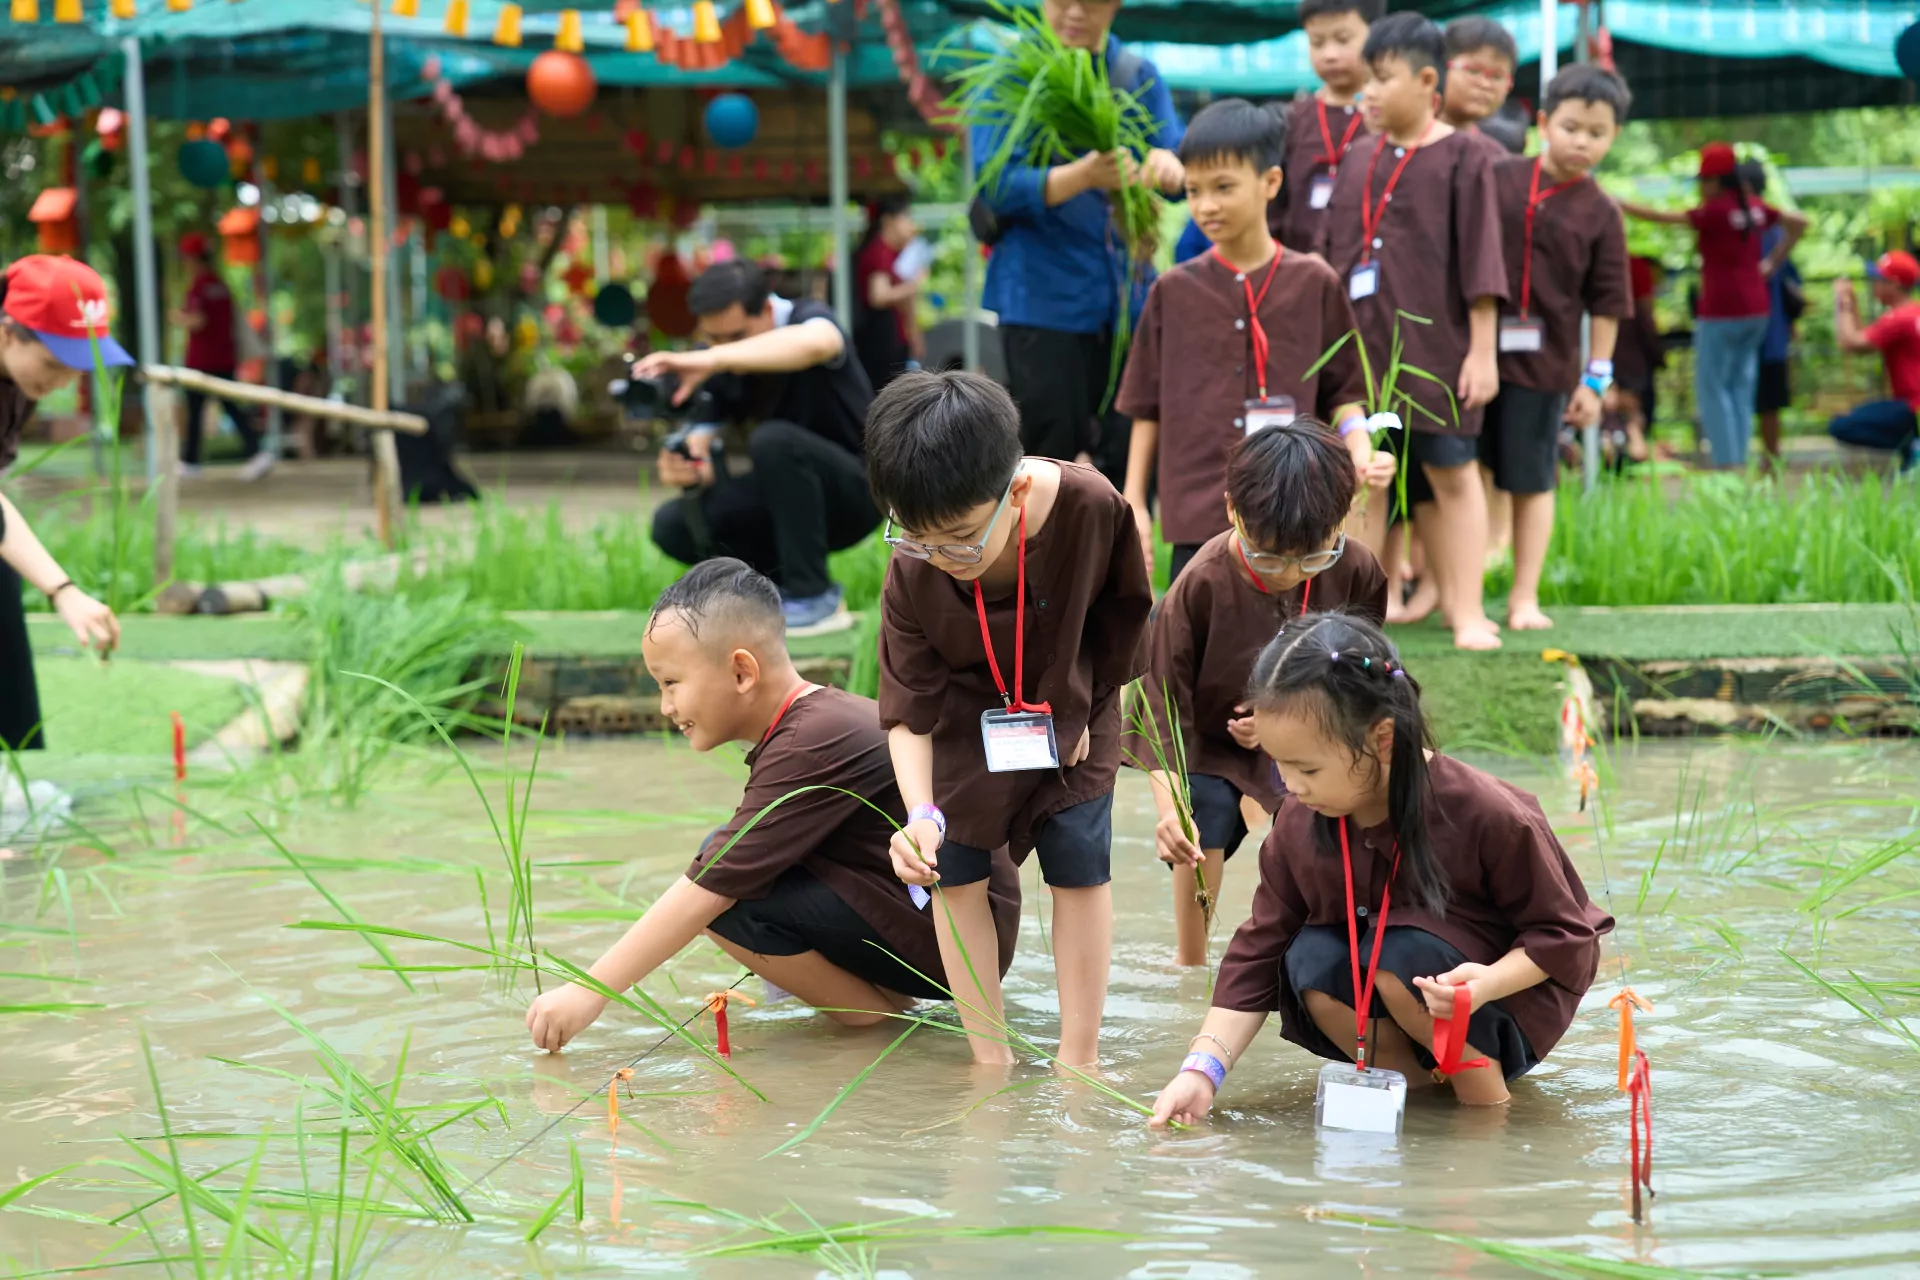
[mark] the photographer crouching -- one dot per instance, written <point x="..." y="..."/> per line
<point x="782" y="375"/>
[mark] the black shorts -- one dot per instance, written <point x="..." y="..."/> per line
<point x="1319" y="960"/>
<point x="1075" y="849"/>
<point x="1216" y="812"/>
<point x="1521" y="440"/>
<point x="800" y="914"/>
<point x="1183" y="554"/>
<point x="1422" y="449"/>
<point x="1773" y="392"/>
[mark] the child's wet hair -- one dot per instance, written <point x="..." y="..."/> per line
<point x="1235" y="131"/>
<point x="1292" y="485"/>
<point x="1412" y="37"/>
<point x="1342" y="672"/>
<point x="723" y="599"/>
<point x="939" y="444"/>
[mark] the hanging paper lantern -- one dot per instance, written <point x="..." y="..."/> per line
<point x="643" y="201"/>
<point x="667" y="299"/>
<point x="55" y="212"/>
<point x="760" y="15"/>
<point x="577" y="277"/>
<point x="732" y="120"/>
<point x="24" y="10"/>
<point x="639" y="31"/>
<point x="125" y="9"/>
<point x="457" y="18"/>
<point x="568" y="39"/>
<point x="706" y="22"/>
<point x="179" y="6"/>
<point x="506" y="30"/>
<point x="560" y="84"/>
<point x="452" y="284"/>
<point x="613" y="306"/>
<point x="406" y="8"/>
<point x="204" y="163"/>
<point x="66" y="10"/>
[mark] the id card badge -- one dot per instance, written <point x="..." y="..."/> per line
<point x="1274" y="411"/>
<point x="1364" y="282"/>
<point x="1320" y="193"/>
<point x="1370" y="1101"/>
<point x="1522" y="334"/>
<point x="1018" y="740"/>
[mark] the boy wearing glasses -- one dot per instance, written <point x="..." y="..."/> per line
<point x="1011" y="620"/>
<point x="1288" y="491"/>
<point x="1481" y="57"/>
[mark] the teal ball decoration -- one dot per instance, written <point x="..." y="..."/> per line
<point x="204" y="163"/>
<point x="732" y="121"/>
<point x="614" y="307"/>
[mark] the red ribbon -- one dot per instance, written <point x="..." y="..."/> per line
<point x="179" y="748"/>
<point x="1014" y="700"/>
<point x="1372" y="214"/>
<point x="1640" y="1129"/>
<point x="1450" y="1037"/>
<point x="1334" y="155"/>
<point x="1256" y="331"/>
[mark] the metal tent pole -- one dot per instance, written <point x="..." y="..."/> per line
<point x="837" y="184"/>
<point x="1549" y="42"/>
<point x="146" y="286"/>
<point x="387" y="497"/>
<point x="969" y="269"/>
<point x="398" y="371"/>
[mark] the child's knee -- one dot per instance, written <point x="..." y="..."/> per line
<point x="855" y="1019"/>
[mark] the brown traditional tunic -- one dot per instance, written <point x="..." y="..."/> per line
<point x="1292" y="217"/>
<point x="1192" y="371"/>
<point x="1513" y="886"/>
<point x="1438" y="251"/>
<point x="1205" y="636"/>
<point x="1579" y="263"/>
<point x="833" y="739"/>
<point x="1087" y="604"/>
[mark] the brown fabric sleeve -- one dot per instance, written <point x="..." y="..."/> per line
<point x="1140" y="386"/>
<point x="1171" y="646"/>
<point x="1533" y="883"/>
<point x="1369" y="598"/>
<point x="1342" y="379"/>
<point x="1609" y="284"/>
<point x="913" y="679"/>
<point x="782" y="838"/>
<point x="1476" y="228"/>
<point x="1249" y="977"/>
<point x="1117" y="618"/>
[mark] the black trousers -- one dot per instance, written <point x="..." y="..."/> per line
<point x="1059" y="380"/>
<point x="19" y="695"/>
<point x="240" y="414"/>
<point x="806" y="497"/>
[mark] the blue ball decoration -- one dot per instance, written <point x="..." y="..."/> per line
<point x="614" y="307"/>
<point x="1906" y="52"/>
<point x="732" y="121"/>
<point x="204" y="163"/>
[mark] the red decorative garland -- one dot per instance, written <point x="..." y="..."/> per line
<point x="495" y="146"/>
<point x="921" y="90"/>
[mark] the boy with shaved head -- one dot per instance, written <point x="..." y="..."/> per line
<point x="797" y="887"/>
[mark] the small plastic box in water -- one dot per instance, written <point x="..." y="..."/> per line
<point x="1370" y="1101"/>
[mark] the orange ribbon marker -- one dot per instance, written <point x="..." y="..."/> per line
<point x="717" y="1002"/>
<point x="179" y="747"/>
<point x="613" y="1098"/>
<point x="1450" y="1038"/>
<point x="1624" y="1002"/>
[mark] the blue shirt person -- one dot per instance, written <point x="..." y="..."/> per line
<point x="1059" y="264"/>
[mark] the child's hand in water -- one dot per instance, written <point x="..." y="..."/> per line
<point x="1241" y="730"/>
<point x="1171" y="843"/>
<point x="1439" y="991"/>
<point x="561" y="1014"/>
<point x="1186" y="1100"/>
<point x="913" y="852"/>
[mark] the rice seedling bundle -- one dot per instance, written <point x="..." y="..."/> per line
<point x="1168" y="748"/>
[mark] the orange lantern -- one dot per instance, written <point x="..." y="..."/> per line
<point x="53" y="212"/>
<point x="240" y="236"/>
<point x="560" y="84"/>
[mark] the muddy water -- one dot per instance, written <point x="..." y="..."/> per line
<point x="1786" y="1137"/>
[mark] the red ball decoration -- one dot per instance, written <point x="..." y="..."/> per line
<point x="560" y="84"/>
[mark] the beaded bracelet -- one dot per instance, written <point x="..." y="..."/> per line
<point x="1207" y="1065"/>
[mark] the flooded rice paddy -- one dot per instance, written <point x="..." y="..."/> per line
<point x="1787" y="1142"/>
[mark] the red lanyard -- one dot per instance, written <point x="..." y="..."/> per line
<point x="1013" y="700"/>
<point x="1371" y="213"/>
<point x="1306" y="588"/>
<point x="803" y="687"/>
<point x="1535" y="198"/>
<point x="1256" y="330"/>
<point x="1332" y="158"/>
<point x="1363" y="994"/>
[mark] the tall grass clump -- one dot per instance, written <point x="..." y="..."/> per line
<point x="1727" y="539"/>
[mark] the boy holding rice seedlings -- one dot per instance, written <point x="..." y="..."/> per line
<point x="1414" y="230"/>
<point x="797" y="886"/>
<point x="1010" y="624"/>
<point x="1566" y="253"/>
<point x="1226" y="342"/>
<point x="1322" y="127"/>
<point x="1288" y="492"/>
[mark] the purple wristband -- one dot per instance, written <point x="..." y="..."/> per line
<point x="1352" y="423"/>
<point x="931" y="812"/>
<point x="1207" y="1065"/>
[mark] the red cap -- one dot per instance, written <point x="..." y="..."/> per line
<point x="1898" y="266"/>
<point x="193" y="245"/>
<point x="63" y="302"/>
<point x="1717" y="160"/>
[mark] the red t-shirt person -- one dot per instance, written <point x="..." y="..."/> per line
<point x="1730" y="232"/>
<point x="1897" y="335"/>
<point x="210" y="346"/>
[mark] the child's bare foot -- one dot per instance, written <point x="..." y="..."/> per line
<point x="1416" y="608"/>
<point x="1479" y="634"/>
<point x="1527" y="617"/>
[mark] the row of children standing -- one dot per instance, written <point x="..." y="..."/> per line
<point x="1476" y="265"/>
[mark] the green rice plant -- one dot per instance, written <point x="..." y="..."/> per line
<point x="769" y="1237"/>
<point x="1168" y="748"/>
<point x="346" y="912"/>
<point x="813" y="1125"/>
<point x="575" y="1191"/>
<point x="1563" y="1264"/>
<point x="1388" y="395"/>
<point x="1053" y="104"/>
<point x="1857" y="996"/>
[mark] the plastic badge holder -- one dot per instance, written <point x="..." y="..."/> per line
<point x="1018" y="740"/>
<point x="1370" y="1101"/>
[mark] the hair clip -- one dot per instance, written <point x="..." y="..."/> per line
<point x="1366" y="664"/>
<point x="1400" y="673"/>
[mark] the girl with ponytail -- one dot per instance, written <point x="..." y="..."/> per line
<point x="1385" y="848"/>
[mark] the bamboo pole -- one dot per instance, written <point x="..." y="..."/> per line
<point x="288" y="401"/>
<point x="386" y="459"/>
<point x="166" y="458"/>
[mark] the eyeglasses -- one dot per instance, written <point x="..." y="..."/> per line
<point x="953" y="553"/>
<point x="1309" y="564"/>
<point x="1482" y="72"/>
